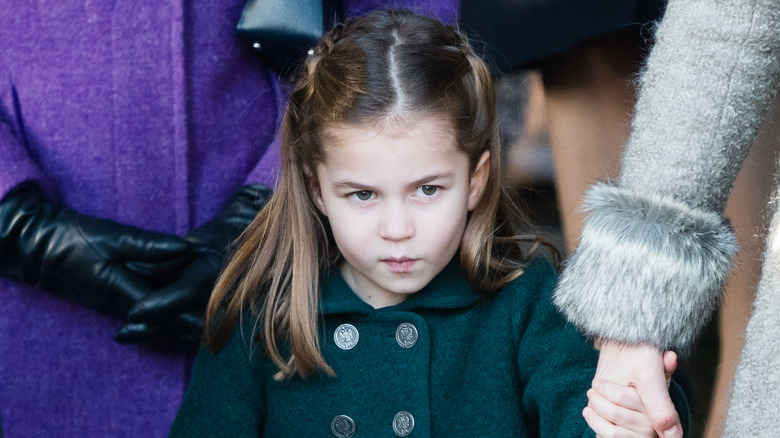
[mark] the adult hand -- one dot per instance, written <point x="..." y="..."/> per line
<point x="174" y="312"/>
<point x="180" y="306"/>
<point x="648" y="370"/>
<point x="97" y="263"/>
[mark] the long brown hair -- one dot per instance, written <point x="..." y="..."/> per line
<point x="370" y="70"/>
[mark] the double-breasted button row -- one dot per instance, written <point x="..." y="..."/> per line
<point x="346" y="336"/>
<point x="343" y="426"/>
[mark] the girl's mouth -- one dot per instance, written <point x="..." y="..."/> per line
<point x="400" y="264"/>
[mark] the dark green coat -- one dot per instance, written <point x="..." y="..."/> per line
<point x="505" y="365"/>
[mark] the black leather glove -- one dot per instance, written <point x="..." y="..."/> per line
<point x="179" y="307"/>
<point x="97" y="263"/>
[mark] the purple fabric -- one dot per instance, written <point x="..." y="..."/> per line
<point x="444" y="10"/>
<point x="150" y="113"/>
<point x="16" y="160"/>
<point x="147" y="112"/>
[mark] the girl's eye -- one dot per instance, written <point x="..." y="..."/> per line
<point x="428" y="190"/>
<point x="363" y="195"/>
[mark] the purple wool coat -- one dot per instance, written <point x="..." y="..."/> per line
<point x="150" y="113"/>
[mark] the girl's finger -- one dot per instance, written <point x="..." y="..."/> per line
<point x="621" y="416"/>
<point x="621" y="395"/>
<point x="603" y="427"/>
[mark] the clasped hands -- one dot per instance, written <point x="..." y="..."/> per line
<point x="178" y="308"/>
<point x="630" y="393"/>
<point x="159" y="283"/>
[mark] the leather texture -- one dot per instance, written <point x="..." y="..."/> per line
<point x="97" y="263"/>
<point x="177" y="309"/>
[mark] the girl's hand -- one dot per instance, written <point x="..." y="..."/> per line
<point x="617" y="411"/>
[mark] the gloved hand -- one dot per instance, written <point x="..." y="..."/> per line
<point x="179" y="307"/>
<point x="97" y="263"/>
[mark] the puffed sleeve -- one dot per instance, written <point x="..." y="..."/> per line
<point x="16" y="164"/>
<point x="655" y="249"/>
<point x="226" y="397"/>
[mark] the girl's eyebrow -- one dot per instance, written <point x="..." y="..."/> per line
<point x="351" y="185"/>
<point x="346" y="184"/>
<point x="430" y="178"/>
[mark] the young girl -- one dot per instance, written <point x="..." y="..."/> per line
<point x="382" y="291"/>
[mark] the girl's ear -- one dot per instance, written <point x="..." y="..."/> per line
<point x="314" y="191"/>
<point x="479" y="179"/>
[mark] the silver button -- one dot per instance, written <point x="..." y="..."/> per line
<point x="346" y="336"/>
<point x="342" y="426"/>
<point x="403" y="423"/>
<point x="406" y="335"/>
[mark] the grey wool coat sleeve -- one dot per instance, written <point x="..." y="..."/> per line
<point x="656" y="249"/>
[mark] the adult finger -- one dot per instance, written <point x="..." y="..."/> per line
<point x="189" y="293"/>
<point x="185" y="329"/>
<point x="154" y="270"/>
<point x="133" y="333"/>
<point x="134" y="244"/>
<point x="118" y="289"/>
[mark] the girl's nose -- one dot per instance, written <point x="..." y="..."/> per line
<point x="396" y="222"/>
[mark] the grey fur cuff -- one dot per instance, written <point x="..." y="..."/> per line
<point x="648" y="269"/>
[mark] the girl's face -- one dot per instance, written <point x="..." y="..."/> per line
<point x="397" y="200"/>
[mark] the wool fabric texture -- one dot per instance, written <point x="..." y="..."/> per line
<point x="755" y="405"/>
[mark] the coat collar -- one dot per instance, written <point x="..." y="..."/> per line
<point x="448" y="290"/>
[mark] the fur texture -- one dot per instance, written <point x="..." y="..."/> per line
<point x="676" y="257"/>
